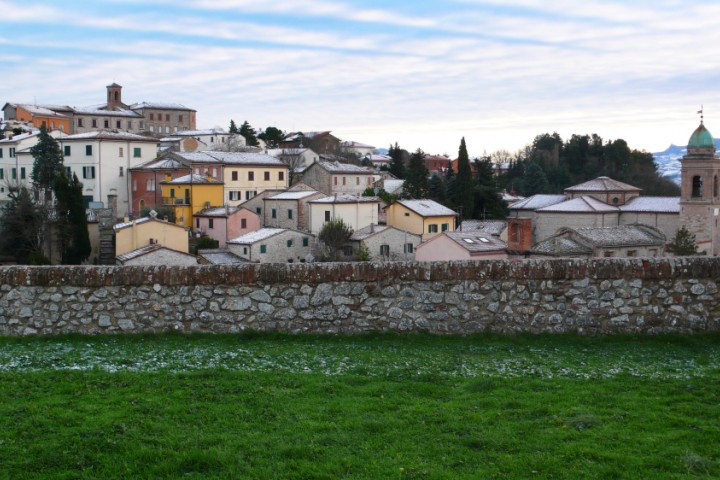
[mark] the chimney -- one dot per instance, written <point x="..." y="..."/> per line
<point x="167" y="177"/>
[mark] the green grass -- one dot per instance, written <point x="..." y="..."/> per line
<point x="374" y="407"/>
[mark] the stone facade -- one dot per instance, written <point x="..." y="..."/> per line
<point x="590" y="297"/>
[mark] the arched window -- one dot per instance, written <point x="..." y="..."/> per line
<point x="697" y="186"/>
<point x="150" y="187"/>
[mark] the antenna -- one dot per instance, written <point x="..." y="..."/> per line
<point x="701" y="112"/>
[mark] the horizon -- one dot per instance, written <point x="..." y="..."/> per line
<point x="422" y="74"/>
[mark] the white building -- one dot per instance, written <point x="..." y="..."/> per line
<point x="357" y="212"/>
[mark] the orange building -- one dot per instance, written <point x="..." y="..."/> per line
<point x="54" y="117"/>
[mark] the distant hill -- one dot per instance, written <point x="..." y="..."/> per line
<point x="668" y="161"/>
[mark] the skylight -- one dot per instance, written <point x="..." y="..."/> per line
<point x="468" y="240"/>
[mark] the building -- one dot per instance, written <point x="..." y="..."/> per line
<point x="273" y="245"/>
<point x="385" y="244"/>
<point x="225" y="223"/>
<point x="102" y="161"/>
<point x="339" y="178"/>
<point x="617" y="241"/>
<point x="356" y="212"/>
<point x="198" y="140"/>
<point x="189" y="194"/>
<point x="156" y="254"/>
<point x="700" y="190"/>
<point x="146" y="178"/>
<point x="437" y="163"/>
<point x="53" y="117"/>
<point x="467" y="245"/>
<point x="421" y="217"/>
<point x="320" y="142"/>
<point x="290" y="209"/>
<point x="356" y="148"/>
<point x="135" y="234"/>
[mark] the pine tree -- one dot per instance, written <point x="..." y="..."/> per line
<point x="397" y="161"/>
<point x="535" y="181"/>
<point x="21" y="228"/>
<point x="683" y="244"/>
<point x="233" y="128"/>
<point x="71" y="220"/>
<point x="48" y="161"/>
<point x="488" y="202"/>
<point x="464" y="183"/>
<point x="249" y="133"/>
<point x="272" y="137"/>
<point x="416" y="177"/>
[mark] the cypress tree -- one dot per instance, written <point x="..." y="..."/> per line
<point x="464" y="184"/>
<point x="71" y="220"/>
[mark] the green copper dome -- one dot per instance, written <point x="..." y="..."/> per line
<point x="701" y="138"/>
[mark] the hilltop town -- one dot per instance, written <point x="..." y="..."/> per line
<point x="157" y="190"/>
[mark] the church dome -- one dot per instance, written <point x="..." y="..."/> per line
<point x="701" y="138"/>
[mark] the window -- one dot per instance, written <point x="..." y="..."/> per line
<point x="407" y="214"/>
<point x="12" y="152"/>
<point x="212" y="139"/>
<point x="80" y="122"/>
<point x="289" y="243"/>
<point x="88" y="172"/>
<point x="129" y="125"/>
<point x="515" y="233"/>
<point x="250" y="194"/>
<point x="263" y="248"/>
<point x="88" y="150"/>
<point x="251" y="176"/>
<point x="197" y="223"/>
<point x="408" y="248"/>
<point x="1" y="153"/>
<point x="715" y="186"/>
<point x="106" y="123"/>
<point x="22" y="173"/>
<point x="290" y="214"/>
<point x="335" y="180"/>
<point x="306" y="242"/>
<point x="235" y="195"/>
<point x="347" y="251"/>
<point x="385" y="250"/>
<point x="137" y="152"/>
<point x="290" y="260"/>
<point x="167" y="129"/>
<point x="267" y="176"/>
<point x="152" y="128"/>
<point x="327" y="215"/>
<point x="243" y="223"/>
<point x="632" y="253"/>
<point x="357" y="180"/>
<point x="445" y="227"/>
<point x="134" y="185"/>
<point x="281" y="176"/>
<point x="244" y="250"/>
<point x="697" y="186"/>
<point x="167" y="117"/>
<point x="66" y="150"/>
<point x="152" y="116"/>
<point x="180" y="118"/>
<point x="117" y="124"/>
<point x="274" y="213"/>
<point x="211" y="223"/>
<point x="344" y="180"/>
<point x="142" y="125"/>
<point x="2" y="174"/>
<point x="234" y="175"/>
<point x="121" y="172"/>
<point x="258" y="210"/>
<point x="150" y="186"/>
<point x="14" y="173"/>
<point x="608" y="254"/>
<point x="94" y="123"/>
<point x="121" y="152"/>
<point x="432" y="228"/>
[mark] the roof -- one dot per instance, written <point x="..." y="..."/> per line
<point x="652" y="205"/>
<point x="538" y="201"/>
<point x="337" y="167"/>
<point x="217" y="211"/>
<point x="293" y="195"/>
<point x="584" y="204"/>
<point x="153" y="247"/>
<point x="427" y="208"/>
<point x="476" y="242"/>
<point x="140" y="221"/>
<point x="194" y="178"/>
<point x="159" y="106"/>
<point x="42" y="110"/>
<point x="207" y="131"/>
<point x="351" y="144"/>
<point x="368" y="231"/>
<point x="103" y="110"/>
<point x="257" y="236"/>
<point x="296" y="135"/>
<point x="340" y="198"/>
<point x="701" y="138"/>
<point x="236" y="158"/>
<point x="560" y="246"/>
<point x="489" y="227"/>
<point x="109" y="135"/>
<point x="603" y="184"/>
<point x="391" y="185"/>
<point x="160" y="164"/>
<point x="220" y="257"/>
<point x="17" y="138"/>
<point x="620" y="236"/>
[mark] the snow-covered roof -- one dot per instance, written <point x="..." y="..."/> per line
<point x="119" y="226"/>
<point x="584" y="204"/>
<point x="351" y="144"/>
<point x="160" y="164"/>
<point x="237" y="158"/>
<point x="109" y="135"/>
<point x="207" y="131"/>
<point x="476" y="241"/>
<point x="42" y="110"/>
<point x="17" y="138"/>
<point x="296" y="135"/>
<point x="216" y="212"/>
<point x="603" y="184"/>
<point x="427" y="208"/>
<point x="379" y="158"/>
<point x="489" y="227"/>
<point x="139" y="252"/>
<point x="560" y="247"/>
<point x="194" y="178"/>
<point x="220" y="257"/>
<point x="256" y="236"/>
<point x="337" y="167"/>
<point x="102" y="110"/>
<point x="391" y="185"/>
<point x="293" y="195"/>
<point x="344" y="198"/>
<point x="159" y="106"/>
<point x="618" y="236"/>
<point x="368" y="231"/>
<point x="540" y="200"/>
<point x="652" y="205"/>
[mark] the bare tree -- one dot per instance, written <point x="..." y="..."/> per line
<point x="293" y="158"/>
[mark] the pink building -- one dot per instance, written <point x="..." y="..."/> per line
<point x="225" y="223"/>
<point x="461" y="246"/>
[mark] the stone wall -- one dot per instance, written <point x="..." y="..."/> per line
<point x="596" y="296"/>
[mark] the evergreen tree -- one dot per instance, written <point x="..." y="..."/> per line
<point x="272" y="137"/>
<point x="397" y="162"/>
<point x="48" y="161"/>
<point x="22" y="228"/>
<point x="436" y="186"/>
<point x="335" y="234"/>
<point x="249" y="133"/>
<point x="71" y="220"/>
<point x="464" y="184"/>
<point x="534" y="181"/>
<point x="416" y="177"/>
<point x="450" y="188"/>
<point x="683" y="244"/>
<point x="233" y="128"/>
<point x="488" y="202"/>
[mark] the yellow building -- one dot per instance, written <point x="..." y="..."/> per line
<point x="145" y="231"/>
<point x="189" y="194"/>
<point x="422" y="217"/>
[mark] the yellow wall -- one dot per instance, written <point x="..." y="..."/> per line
<point x="258" y="184"/>
<point x="414" y="223"/>
<point x="166" y="234"/>
<point x="200" y="196"/>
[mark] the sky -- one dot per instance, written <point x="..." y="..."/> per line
<point x="422" y="73"/>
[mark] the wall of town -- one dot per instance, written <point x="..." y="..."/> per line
<point x="599" y="296"/>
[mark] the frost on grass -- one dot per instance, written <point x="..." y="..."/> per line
<point x="396" y="359"/>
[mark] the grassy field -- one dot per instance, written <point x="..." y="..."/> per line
<point x="377" y="407"/>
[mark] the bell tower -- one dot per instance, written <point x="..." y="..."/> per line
<point x="114" y="97"/>
<point x="700" y="190"/>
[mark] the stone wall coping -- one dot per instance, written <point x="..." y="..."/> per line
<point x="384" y="273"/>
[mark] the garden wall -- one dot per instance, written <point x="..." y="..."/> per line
<point x="600" y="296"/>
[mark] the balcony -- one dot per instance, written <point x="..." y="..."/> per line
<point x="177" y="201"/>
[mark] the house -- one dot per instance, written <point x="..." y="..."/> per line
<point x="225" y="223"/>
<point x="244" y="174"/>
<point x="134" y="234"/>
<point x="422" y="217"/>
<point x="356" y="212"/>
<point x="466" y="245"/>
<point x="198" y="140"/>
<point x="522" y="221"/>
<point x="378" y="160"/>
<point x="273" y="245"/>
<point x="102" y="161"/>
<point x="320" y="142"/>
<point x="189" y="194"/>
<point x="356" y="148"/>
<point x="218" y="256"/>
<point x="54" y="117"/>
<point x="290" y="209"/>
<point x="437" y="163"/>
<point x="617" y="241"/>
<point x="495" y="228"/>
<point x="257" y="203"/>
<point x="385" y="243"/>
<point x="145" y="181"/>
<point x="156" y="254"/>
<point x="341" y="178"/>
<point x="295" y="158"/>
